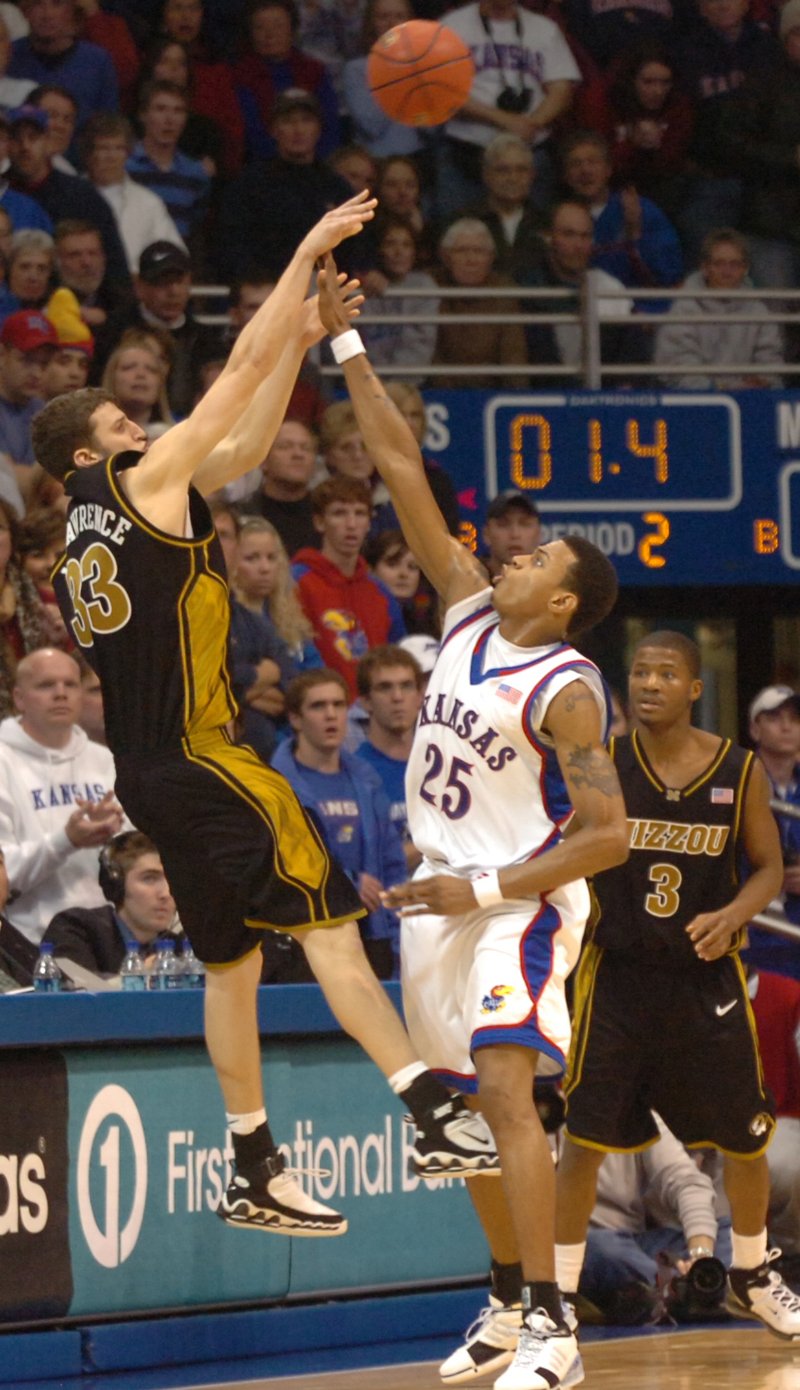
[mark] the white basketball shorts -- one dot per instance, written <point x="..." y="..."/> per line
<point x="491" y="977"/>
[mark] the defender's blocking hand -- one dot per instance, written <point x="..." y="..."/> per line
<point x="311" y="329"/>
<point x="332" y="298"/>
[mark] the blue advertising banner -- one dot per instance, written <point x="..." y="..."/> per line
<point x="677" y="488"/>
<point x="148" y="1159"/>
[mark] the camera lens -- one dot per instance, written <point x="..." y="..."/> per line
<point x="706" y="1279"/>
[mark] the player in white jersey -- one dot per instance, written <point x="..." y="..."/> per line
<point x="509" y="749"/>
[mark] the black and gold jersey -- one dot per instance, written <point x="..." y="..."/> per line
<point x="149" y="611"/>
<point x="685" y="851"/>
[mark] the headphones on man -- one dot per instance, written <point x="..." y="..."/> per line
<point x="110" y="874"/>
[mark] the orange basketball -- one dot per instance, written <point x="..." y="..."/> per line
<point x="420" y="72"/>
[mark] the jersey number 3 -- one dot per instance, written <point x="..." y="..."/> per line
<point x="664" y="900"/>
<point x="106" y="607"/>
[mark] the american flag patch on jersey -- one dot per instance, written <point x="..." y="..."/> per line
<point x="510" y="693"/>
<point x="722" y="796"/>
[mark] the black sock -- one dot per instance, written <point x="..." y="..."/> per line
<point x="251" y="1149"/>
<point x="540" y="1294"/>
<point x="506" y="1282"/>
<point x="426" y="1095"/>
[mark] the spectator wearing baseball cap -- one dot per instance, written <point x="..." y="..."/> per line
<point x="275" y="201"/>
<point x="62" y="196"/>
<point x="27" y="342"/>
<point x="774" y="716"/>
<point x="512" y="528"/>
<point x="163" y="289"/>
<point x="272" y="66"/>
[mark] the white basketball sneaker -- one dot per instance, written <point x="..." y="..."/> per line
<point x="547" y="1357"/>
<point x="274" y="1201"/>
<point x="488" y="1346"/>
<point x="763" y="1295"/>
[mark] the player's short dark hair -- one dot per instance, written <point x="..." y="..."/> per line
<point x="593" y="580"/>
<point x="303" y="684"/>
<point x="380" y="659"/>
<point x="339" y="489"/>
<point x="65" y="425"/>
<point x="675" y="642"/>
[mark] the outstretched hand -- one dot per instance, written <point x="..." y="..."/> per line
<point x="340" y="223"/>
<point x="333" y="310"/>
<point x="311" y="327"/>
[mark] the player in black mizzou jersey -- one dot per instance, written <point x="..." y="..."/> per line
<point x="662" y="1016"/>
<point x="142" y="587"/>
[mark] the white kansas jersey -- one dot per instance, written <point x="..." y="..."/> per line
<point x="483" y="784"/>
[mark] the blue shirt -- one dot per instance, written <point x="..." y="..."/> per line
<point x="392" y="772"/>
<point x="85" y="70"/>
<point x="184" y="188"/>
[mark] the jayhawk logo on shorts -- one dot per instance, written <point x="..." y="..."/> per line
<point x="496" y="998"/>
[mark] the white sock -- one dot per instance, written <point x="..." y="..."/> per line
<point x="748" y="1251"/>
<point x="246" y="1124"/>
<point x="569" y="1263"/>
<point x="401" y="1080"/>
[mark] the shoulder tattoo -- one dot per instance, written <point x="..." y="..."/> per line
<point x="589" y="766"/>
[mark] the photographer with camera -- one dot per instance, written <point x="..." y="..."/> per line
<point x="524" y="80"/>
<point x="655" y="1211"/>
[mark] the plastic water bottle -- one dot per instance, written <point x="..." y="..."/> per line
<point x="47" y="978"/>
<point x="194" y="974"/>
<point x="133" y="972"/>
<point x="167" y="969"/>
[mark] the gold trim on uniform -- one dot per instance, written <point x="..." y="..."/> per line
<point x="301" y="858"/>
<point x="585" y="980"/>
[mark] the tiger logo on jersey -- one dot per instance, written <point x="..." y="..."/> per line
<point x="496" y="998"/>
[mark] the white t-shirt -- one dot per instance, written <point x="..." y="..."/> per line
<point x="529" y="50"/>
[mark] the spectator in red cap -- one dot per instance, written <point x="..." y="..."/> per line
<point x="27" y="342"/>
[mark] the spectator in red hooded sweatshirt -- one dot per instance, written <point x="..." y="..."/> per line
<point x="348" y="608"/>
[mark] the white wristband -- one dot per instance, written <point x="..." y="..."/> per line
<point x="487" y="890"/>
<point x="347" y="345"/>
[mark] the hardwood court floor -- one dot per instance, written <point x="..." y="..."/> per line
<point x="718" y="1359"/>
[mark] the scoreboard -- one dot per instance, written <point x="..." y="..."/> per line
<point x="677" y="488"/>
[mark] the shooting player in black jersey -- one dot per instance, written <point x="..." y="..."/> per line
<point x="142" y="587"/>
<point x="662" y="1016"/>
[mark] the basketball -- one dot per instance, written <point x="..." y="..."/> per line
<point x="420" y="72"/>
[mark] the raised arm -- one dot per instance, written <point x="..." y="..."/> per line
<point x="170" y="464"/>
<point x="250" y="440"/>
<point x="453" y="571"/>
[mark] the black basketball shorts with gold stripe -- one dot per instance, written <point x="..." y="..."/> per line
<point x="656" y="1034"/>
<point x="240" y="853"/>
